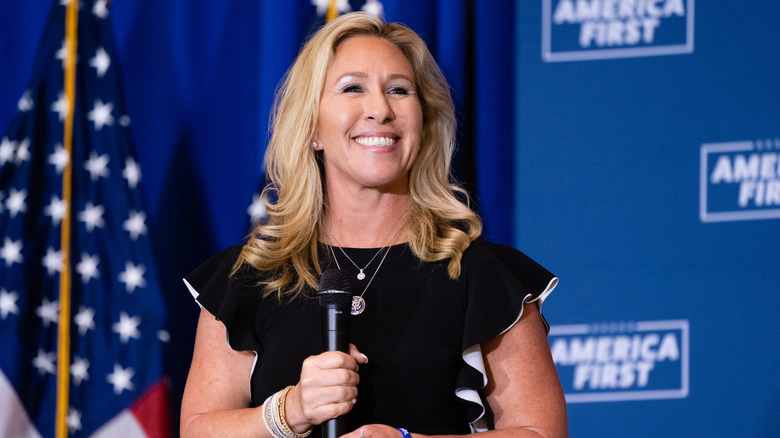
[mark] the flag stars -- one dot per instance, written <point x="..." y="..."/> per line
<point x="52" y="261"/>
<point x="79" y="370"/>
<point x="132" y="172"/>
<point x="25" y="102"/>
<point x="7" y="151"/>
<point x="44" y="362"/>
<point x="49" y="312"/>
<point x="85" y="319"/>
<point x="101" y="61"/>
<point x="101" y="114"/>
<point x="22" y="151"/>
<point x="11" y="251"/>
<point x="256" y="210"/>
<point x="59" y="158"/>
<point x="135" y="224"/>
<point x="74" y="421"/>
<point x="92" y="216"/>
<point x="132" y="277"/>
<point x="15" y="203"/>
<point x="127" y="327"/>
<point x="88" y="267"/>
<point x="8" y="304"/>
<point x="121" y="378"/>
<point x="97" y="166"/>
<point x="100" y="9"/>
<point x="57" y="209"/>
<point x="60" y="106"/>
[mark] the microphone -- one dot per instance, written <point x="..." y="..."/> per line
<point x="335" y="296"/>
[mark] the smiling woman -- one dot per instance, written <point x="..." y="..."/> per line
<point x="363" y="136"/>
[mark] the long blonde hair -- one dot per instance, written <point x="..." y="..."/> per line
<point x="440" y="226"/>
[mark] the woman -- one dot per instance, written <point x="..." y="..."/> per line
<point x="359" y="157"/>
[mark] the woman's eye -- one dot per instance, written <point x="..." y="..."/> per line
<point x="351" y="89"/>
<point x="399" y="90"/>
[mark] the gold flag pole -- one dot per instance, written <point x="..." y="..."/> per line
<point x="63" y="333"/>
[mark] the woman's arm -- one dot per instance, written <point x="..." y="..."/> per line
<point x="217" y="396"/>
<point x="523" y="389"/>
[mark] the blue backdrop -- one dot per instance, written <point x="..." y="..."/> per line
<point x="632" y="150"/>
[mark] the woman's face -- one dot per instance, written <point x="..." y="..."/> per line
<point x="370" y="118"/>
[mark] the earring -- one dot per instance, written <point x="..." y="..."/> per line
<point x="314" y="145"/>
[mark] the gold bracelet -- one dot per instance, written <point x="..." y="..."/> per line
<point x="283" y="422"/>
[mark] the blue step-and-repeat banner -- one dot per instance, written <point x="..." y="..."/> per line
<point x="630" y="146"/>
<point x="648" y="174"/>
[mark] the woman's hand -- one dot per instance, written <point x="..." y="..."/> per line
<point x="374" y="431"/>
<point x="327" y="389"/>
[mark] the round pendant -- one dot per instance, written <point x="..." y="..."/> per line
<point x="358" y="305"/>
<point x="361" y="275"/>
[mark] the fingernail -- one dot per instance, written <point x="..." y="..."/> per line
<point x="364" y="357"/>
<point x="354" y="400"/>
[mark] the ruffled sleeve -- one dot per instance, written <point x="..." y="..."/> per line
<point x="231" y="299"/>
<point x="499" y="281"/>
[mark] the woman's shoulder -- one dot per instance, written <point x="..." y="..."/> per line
<point x="484" y="258"/>
<point x="218" y="266"/>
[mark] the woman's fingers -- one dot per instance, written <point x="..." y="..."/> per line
<point x="328" y="386"/>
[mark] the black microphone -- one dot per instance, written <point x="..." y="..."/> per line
<point x="335" y="296"/>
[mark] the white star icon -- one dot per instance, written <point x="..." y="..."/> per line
<point x="373" y="7"/>
<point x="7" y="151"/>
<point x="127" y="327"/>
<point x="100" y="9"/>
<point x="57" y="209"/>
<point x="52" y="261"/>
<point x="135" y="224"/>
<point x="101" y="114"/>
<point x="79" y="370"/>
<point x="85" y="319"/>
<point x="132" y="277"/>
<point x="44" y="362"/>
<point x="101" y="61"/>
<point x="15" y="203"/>
<point x="74" y="421"/>
<point x="87" y="267"/>
<point x="22" y="151"/>
<point x="132" y="172"/>
<point x="62" y="53"/>
<point x="257" y="211"/>
<point x="49" y="312"/>
<point x="121" y="378"/>
<point x="97" y="166"/>
<point x="59" y="158"/>
<point x="25" y="102"/>
<point x="11" y="251"/>
<point x="60" y="106"/>
<point x="8" y="303"/>
<point x="92" y="216"/>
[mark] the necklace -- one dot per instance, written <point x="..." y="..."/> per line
<point x="358" y="303"/>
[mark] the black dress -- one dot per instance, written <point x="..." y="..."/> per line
<point x="420" y="330"/>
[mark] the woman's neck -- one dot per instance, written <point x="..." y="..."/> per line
<point x="371" y="220"/>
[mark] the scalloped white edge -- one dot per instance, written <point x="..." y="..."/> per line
<point x="473" y="357"/>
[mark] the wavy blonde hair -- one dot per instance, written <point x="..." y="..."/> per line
<point x="440" y="226"/>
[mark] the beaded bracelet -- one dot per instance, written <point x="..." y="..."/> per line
<point x="273" y="416"/>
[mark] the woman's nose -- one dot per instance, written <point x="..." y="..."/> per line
<point x="378" y="108"/>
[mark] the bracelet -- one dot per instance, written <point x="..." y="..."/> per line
<point x="405" y="432"/>
<point x="273" y="416"/>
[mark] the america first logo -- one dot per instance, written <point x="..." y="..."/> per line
<point x="622" y="361"/>
<point x="740" y="181"/>
<point x="578" y="30"/>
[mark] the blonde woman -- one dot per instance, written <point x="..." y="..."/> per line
<point x="362" y="138"/>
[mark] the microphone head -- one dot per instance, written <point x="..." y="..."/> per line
<point x="335" y="288"/>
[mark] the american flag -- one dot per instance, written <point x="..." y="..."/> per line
<point x="115" y="369"/>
